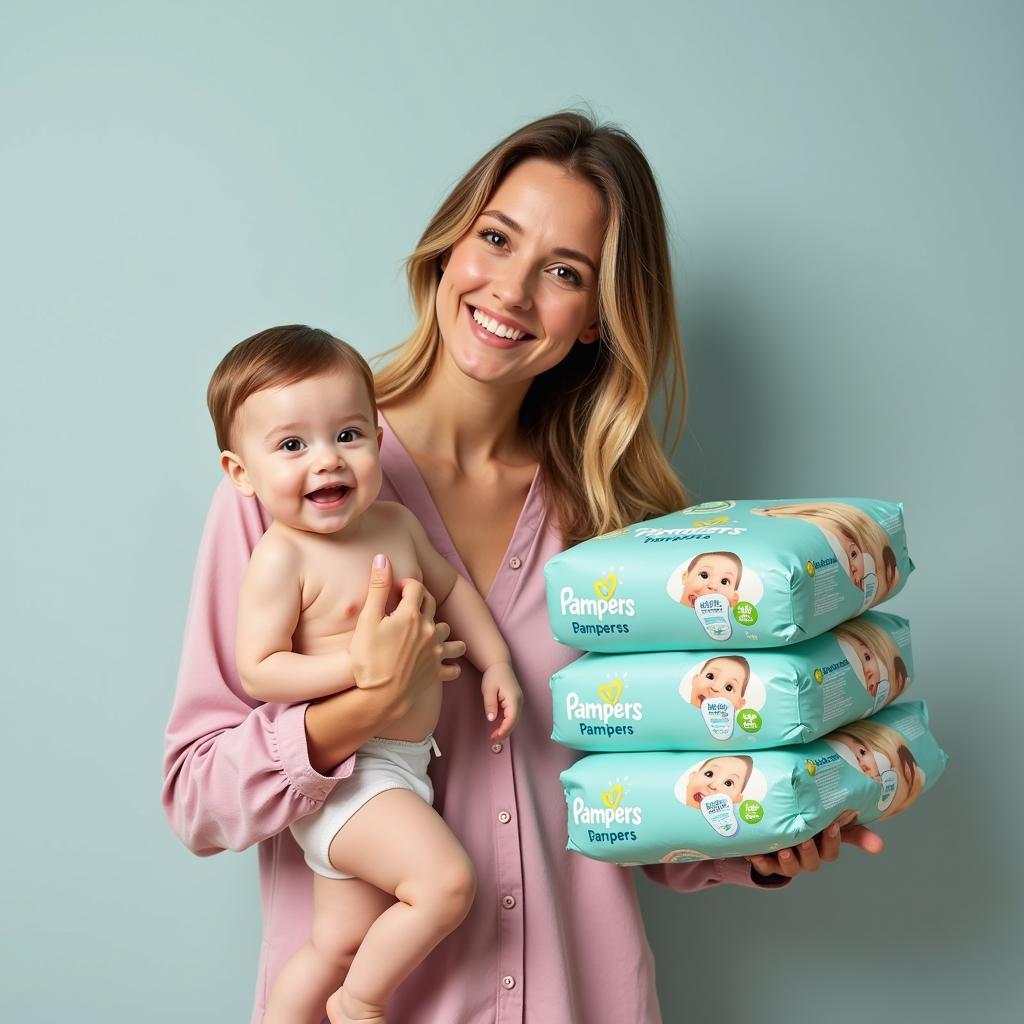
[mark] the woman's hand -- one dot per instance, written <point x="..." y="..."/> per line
<point x="406" y="650"/>
<point x="394" y="659"/>
<point x="825" y="846"/>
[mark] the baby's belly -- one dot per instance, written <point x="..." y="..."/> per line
<point x="420" y="720"/>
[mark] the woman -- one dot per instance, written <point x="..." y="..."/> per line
<point x="515" y="423"/>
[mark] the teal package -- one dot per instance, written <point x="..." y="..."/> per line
<point x="742" y="574"/>
<point x="649" y="808"/>
<point x="728" y="700"/>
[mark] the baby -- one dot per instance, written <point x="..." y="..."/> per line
<point x="723" y="678"/>
<point x="297" y="424"/>
<point x="715" y="572"/>
<point x="726" y="776"/>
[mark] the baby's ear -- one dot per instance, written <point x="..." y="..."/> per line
<point x="235" y="472"/>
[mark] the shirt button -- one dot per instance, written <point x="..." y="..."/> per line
<point x="508" y="902"/>
<point x="496" y="748"/>
<point x="514" y="563"/>
<point x="504" y="817"/>
<point x="508" y="981"/>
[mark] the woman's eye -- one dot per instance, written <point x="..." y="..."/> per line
<point x="568" y="275"/>
<point x="492" y="237"/>
<point x="348" y="436"/>
<point x="293" y="444"/>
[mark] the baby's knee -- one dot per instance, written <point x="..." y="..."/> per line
<point x="454" y="891"/>
<point x="335" y="944"/>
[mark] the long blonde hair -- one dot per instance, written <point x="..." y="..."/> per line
<point x="588" y="418"/>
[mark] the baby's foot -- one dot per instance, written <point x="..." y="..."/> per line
<point x="343" y="1008"/>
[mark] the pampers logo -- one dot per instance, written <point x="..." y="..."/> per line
<point x="698" y="531"/>
<point x="595" y="718"/>
<point x="612" y="812"/>
<point x="605" y="603"/>
<point x="827" y="670"/>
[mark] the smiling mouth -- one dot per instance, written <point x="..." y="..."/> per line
<point x="330" y="496"/>
<point x="497" y="328"/>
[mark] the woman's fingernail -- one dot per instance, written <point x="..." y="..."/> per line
<point x="833" y="831"/>
<point x="490" y="716"/>
<point x="785" y="855"/>
<point x="379" y="561"/>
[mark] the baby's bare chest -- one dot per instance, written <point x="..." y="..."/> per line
<point x="335" y="580"/>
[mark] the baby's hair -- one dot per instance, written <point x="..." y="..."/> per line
<point x="883" y="646"/>
<point x="747" y="760"/>
<point x="720" y="554"/>
<point x="275" y="358"/>
<point x="855" y="524"/>
<point x="887" y="741"/>
<point x="739" y="659"/>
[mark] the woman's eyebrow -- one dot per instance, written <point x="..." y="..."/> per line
<point x="569" y="254"/>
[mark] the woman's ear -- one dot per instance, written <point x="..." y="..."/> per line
<point x="235" y="472"/>
<point x="590" y="335"/>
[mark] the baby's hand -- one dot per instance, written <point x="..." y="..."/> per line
<point x="500" y="688"/>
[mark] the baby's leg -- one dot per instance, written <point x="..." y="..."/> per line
<point x="400" y="844"/>
<point x="343" y="910"/>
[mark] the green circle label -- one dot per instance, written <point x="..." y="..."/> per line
<point x="819" y="676"/>
<point x="708" y="506"/>
<point x="810" y="568"/>
<point x="751" y="812"/>
<point x="750" y="720"/>
<point x="745" y="613"/>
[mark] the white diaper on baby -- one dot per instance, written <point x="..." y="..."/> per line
<point x="381" y="764"/>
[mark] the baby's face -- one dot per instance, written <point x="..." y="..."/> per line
<point x="711" y="574"/>
<point x="310" y="451"/>
<point x="863" y="755"/>
<point x="854" y="557"/>
<point x="868" y="663"/>
<point x="719" y="775"/>
<point x="721" y="678"/>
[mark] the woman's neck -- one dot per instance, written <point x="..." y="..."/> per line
<point x="465" y="423"/>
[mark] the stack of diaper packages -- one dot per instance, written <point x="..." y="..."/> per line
<point x="737" y="694"/>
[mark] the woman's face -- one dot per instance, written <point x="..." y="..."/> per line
<point x="519" y="289"/>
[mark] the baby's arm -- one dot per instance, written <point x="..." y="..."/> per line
<point x="269" y="606"/>
<point x="465" y="611"/>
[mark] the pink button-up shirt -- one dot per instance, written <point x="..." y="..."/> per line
<point x="552" y="938"/>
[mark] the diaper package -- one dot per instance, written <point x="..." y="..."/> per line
<point x="728" y="574"/>
<point x="729" y="700"/>
<point x="646" y="808"/>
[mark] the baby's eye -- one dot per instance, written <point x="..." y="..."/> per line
<point x="710" y="676"/>
<point x="728" y="687"/>
<point x="729" y="783"/>
<point x="709" y="774"/>
<point x="703" y="574"/>
<point x="725" y="581"/>
<point x="348" y="436"/>
<point x="492" y="237"/>
<point x="867" y="656"/>
<point x="293" y="444"/>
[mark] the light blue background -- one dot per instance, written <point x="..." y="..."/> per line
<point x="842" y="184"/>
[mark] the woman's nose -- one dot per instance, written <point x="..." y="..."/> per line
<point x="513" y="288"/>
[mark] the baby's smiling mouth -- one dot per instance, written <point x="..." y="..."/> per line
<point x="328" y="494"/>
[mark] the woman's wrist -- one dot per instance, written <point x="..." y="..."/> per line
<point x="337" y="726"/>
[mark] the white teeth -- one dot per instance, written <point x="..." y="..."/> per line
<point x="495" y="327"/>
